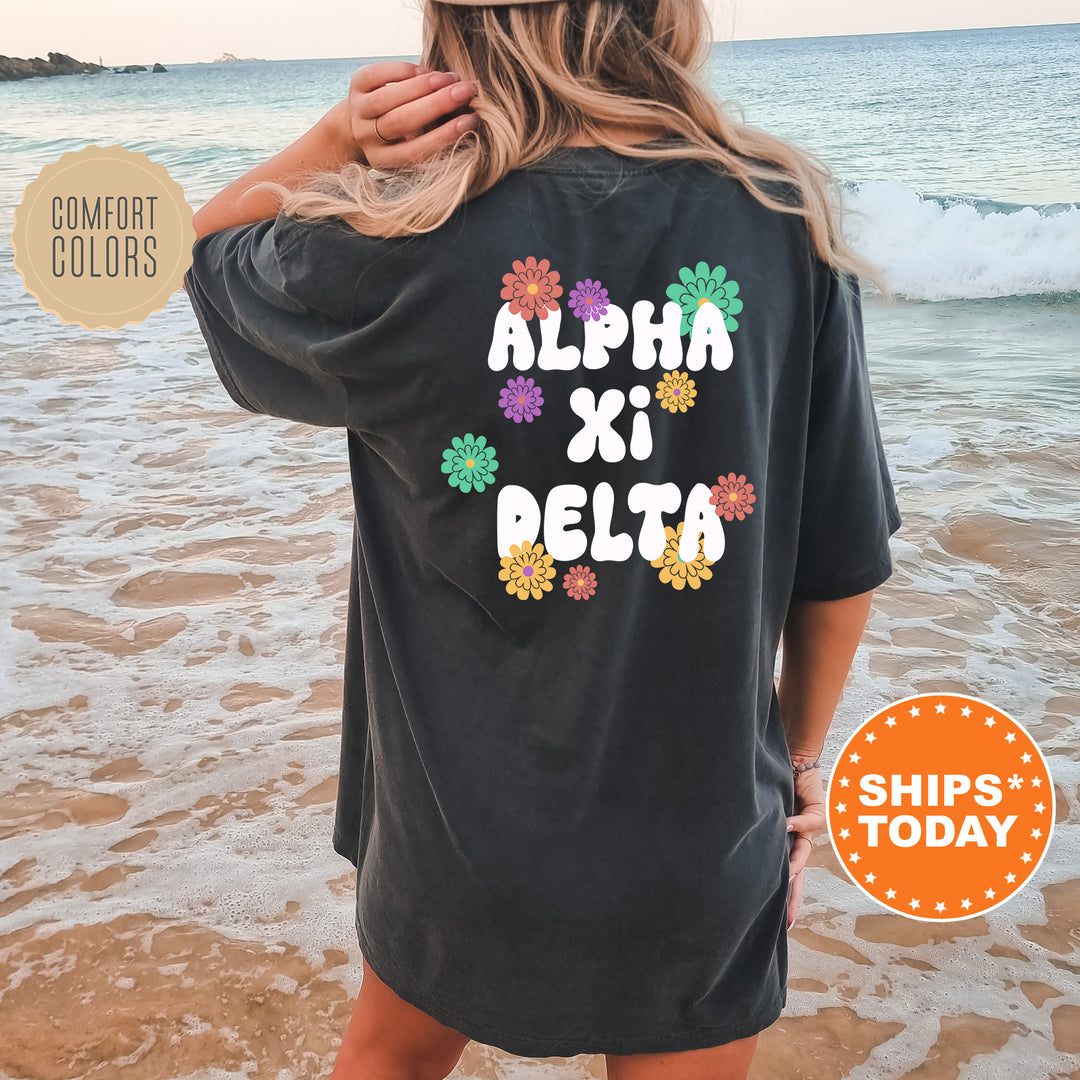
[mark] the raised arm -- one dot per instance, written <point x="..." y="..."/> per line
<point x="404" y="97"/>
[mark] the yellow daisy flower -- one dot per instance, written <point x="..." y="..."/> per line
<point x="673" y="570"/>
<point x="527" y="571"/>
<point x="676" y="391"/>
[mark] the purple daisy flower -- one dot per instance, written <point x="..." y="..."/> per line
<point x="589" y="300"/>
<point x="520" y="399"/>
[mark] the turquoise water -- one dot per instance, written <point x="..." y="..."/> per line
<point x="961" y="147"/>
<point x="981" y="114"/>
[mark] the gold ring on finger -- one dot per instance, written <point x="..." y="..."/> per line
<point x="381" y="136"/>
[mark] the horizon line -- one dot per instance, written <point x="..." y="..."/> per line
<point x="715" y="41"/>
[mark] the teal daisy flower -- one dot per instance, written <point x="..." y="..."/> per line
<point x="469" y="463"/>
<point x="704" y="286"/>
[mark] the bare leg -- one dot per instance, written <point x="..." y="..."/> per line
<point x="728" y="1062"/>
<point x="389" y="1039"/>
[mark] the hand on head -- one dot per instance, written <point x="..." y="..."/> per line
<point x="399" y="112"/>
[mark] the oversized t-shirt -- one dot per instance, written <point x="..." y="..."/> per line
<point x="603" y="425"/>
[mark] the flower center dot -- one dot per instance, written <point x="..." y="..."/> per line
<point x="703" y="300"/>
<point x="676" y="391"/>
<point x="520" y="399"/>
<point x="469" y="463"/>
<point x="733" y="497"/>
<point x="532" y="287"/>
<point x="527" y="571"/>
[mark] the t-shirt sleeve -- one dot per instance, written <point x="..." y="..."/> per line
<point x="849" y="508"/>
<point x="245" y="284"/>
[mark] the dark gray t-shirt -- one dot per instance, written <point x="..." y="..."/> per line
<point x="603" y="424"/>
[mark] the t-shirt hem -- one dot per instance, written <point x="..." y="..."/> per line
<point x="342" y="849"/>
<point x="842" y="588"/>
<point x="563" y="1044"/>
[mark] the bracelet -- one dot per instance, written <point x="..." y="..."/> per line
<point x="796" y="769"/>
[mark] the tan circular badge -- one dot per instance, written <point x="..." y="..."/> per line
<point x="103" y="237"/>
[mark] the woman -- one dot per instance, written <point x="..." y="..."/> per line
<point x="597" y="349"/>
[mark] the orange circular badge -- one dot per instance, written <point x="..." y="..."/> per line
<point x="940" y="807"/>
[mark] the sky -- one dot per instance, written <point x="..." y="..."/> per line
<point x="149" y="31"/>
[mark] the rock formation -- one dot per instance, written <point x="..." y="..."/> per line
<point x="14" y="67"/>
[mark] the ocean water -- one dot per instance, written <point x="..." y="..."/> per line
<point x="175" y="571"/>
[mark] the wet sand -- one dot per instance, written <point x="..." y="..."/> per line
<point x="170" y="903"/>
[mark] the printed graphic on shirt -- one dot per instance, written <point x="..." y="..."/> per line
<point x="700" y="286"/>
<point x="469" y="462"/>
<point x="527" y="570"/>
<point x="531" y="288"/>
<point x="732" y="497"/>
<point x="676" y="391"/>
<point x="589" y="299"/>
<point x="674" y="570"/>
<point x="580" y="582"/>
<point x="690" y="335"/>
<point x="521" y="399"/>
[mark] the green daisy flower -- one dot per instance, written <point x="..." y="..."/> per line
<point x="469" y="462"/>
<point x="704" y="286"/>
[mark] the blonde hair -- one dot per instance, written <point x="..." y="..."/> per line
<point x="552" y="71"/>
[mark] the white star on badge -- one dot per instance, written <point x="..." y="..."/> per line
<point x="914" y="710"/>
<point x="1039" y="808"/>
<point x="939" y="708"/>
<point x="1036" y="833"/>
<point x="966" y="710"/>
<point x="841" y="807"/>
<point x="844" y="834"/>
<point x="870" y="736"/>
<point x="890" y="894"/>
<point x="965" y="903"/>
<point x="1011" y="737"/>
<point x="990" y="721"/>
<point x="1036" y="781"/>
<point x="913" y="903"/>
<point x="844" y="781"/>
<point x="891" y="721"/>
<point x="854" y="856"/>
<point x="854" y="757"/>
<point x="1010" y="878"/>
<point x="870" y="879"/>
<point x="1025" y="758"/>
<point x="990" y="894"/>
<point x="1026" y="857"/>
<point x="939" y="906"/>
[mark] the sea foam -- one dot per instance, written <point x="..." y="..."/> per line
<point x="934" y="247"/>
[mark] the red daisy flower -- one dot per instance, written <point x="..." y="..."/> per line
<point x="732" y="497"/>
<point x="580" y="582"/>
<point x="532" y="287"/>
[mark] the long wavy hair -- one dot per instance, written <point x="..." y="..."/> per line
<point x="553" y="71"/>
